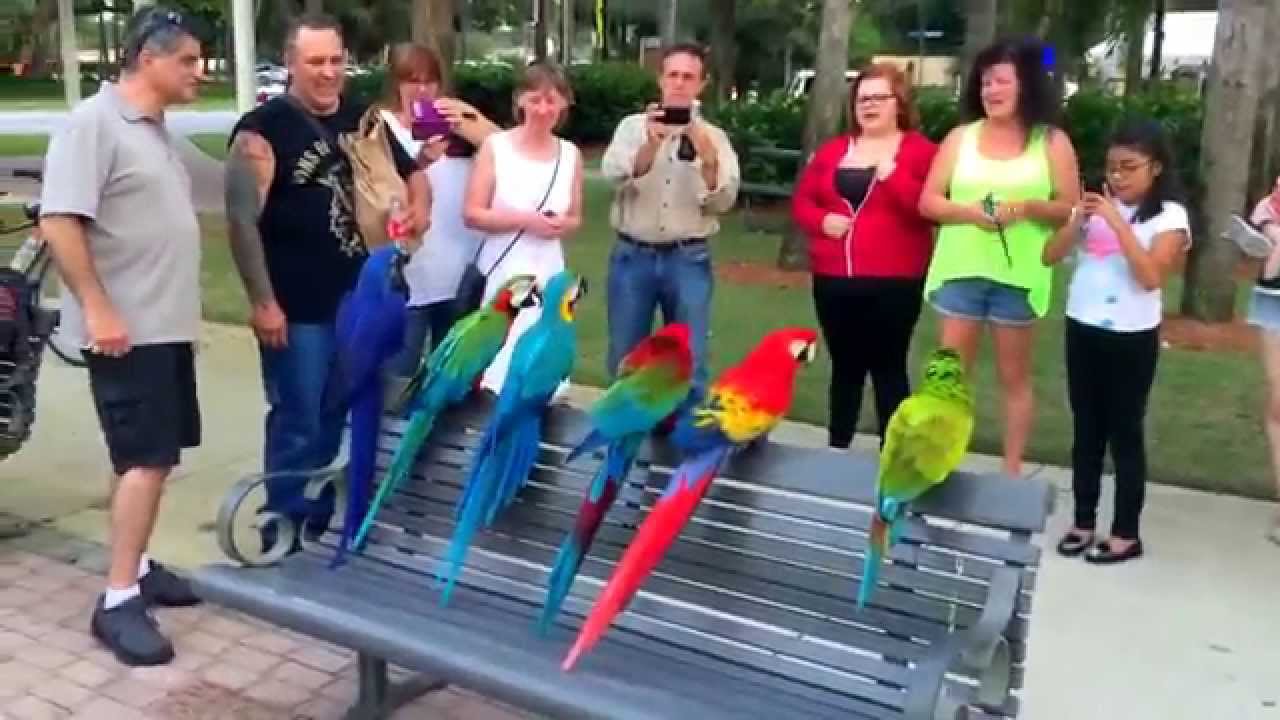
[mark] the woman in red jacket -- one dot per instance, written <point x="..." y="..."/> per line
<point x="869" y="248"/>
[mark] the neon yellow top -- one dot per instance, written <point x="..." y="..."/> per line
<point x="968" y="251"/>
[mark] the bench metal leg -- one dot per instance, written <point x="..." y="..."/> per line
<point x="378" y="697"/>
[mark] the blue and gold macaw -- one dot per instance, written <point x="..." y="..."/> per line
<point x="541" y="360"/>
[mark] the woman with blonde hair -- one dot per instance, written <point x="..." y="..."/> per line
<point x="525" y="195"/>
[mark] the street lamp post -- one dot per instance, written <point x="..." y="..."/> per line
<point x="70" y="51"/>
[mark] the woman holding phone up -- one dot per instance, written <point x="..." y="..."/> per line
<point x="443" y="134"/>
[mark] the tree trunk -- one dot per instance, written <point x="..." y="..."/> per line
<point x="1135" y="36"/>
<point x="667" y="20"/>
<point x="724" y="47"/>
<point x="567" y="31"/>
<point x="431" y="25"/>
<point x="1262" y="171"/>
<point x="1157" y="41"/>
<point x="540" y="8"/>
<point x="979" y="30"/>
<point x="826" y="110"/>
<point x="1231" y="102"/>
<point x="37" y="52"/>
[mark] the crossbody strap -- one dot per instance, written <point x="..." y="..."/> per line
<point x="555" y="172"/>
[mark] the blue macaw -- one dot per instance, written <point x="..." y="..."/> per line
<point x="369" y="331"/>
<point x="447" y="375"/>
<point x="542" y="359"/>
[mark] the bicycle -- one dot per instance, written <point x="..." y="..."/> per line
<point x="32" y="259"/>
<point x="28" y="323"/>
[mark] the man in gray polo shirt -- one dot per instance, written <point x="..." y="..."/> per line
<point x="118" y="216"/>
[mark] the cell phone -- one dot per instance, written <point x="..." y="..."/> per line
<point x="427" y="121"/>
<point x="676" y="115"/>
<point x="548" y="213"/>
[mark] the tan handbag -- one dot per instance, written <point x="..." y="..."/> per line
<point x="375" y="180"/>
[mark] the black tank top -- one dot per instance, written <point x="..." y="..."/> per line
<point x="309" y="235"/>
<point x="853" y="183"/>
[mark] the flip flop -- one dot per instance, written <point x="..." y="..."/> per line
<point x="1102" y="554"/>
<point x="1074" y="543"/>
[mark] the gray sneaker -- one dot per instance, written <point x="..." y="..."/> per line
<point x="1248" y="238"/>
<point x="1274" y="533"/>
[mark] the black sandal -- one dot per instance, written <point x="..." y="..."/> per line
<point x="1074" y="543"/>
<point x="1102" y="554"/>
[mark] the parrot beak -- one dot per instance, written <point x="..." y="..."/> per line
<point x="527" y="295"/>
<point x="805" y="352"/>
<point x="579" y="291"/>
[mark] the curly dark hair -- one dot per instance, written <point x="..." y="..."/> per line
<point x="1146" y="137"/>
<point x="1037" y="95"/>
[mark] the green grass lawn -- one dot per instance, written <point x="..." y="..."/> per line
<point x="44" y="94"/>
<point x="1205" y="417"/>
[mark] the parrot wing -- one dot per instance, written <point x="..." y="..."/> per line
<point x="927" y="438"/>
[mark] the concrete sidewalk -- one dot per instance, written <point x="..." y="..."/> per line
<point x="1191" y="631"/>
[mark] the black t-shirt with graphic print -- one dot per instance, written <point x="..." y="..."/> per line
<point x="309" y="235"/>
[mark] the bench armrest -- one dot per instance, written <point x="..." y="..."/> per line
<point x="981" y="649"/>
<point x="286" y="530"/>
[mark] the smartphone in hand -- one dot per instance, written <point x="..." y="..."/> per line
<point x="427" y="121"/>
<point x="676" y="115"/>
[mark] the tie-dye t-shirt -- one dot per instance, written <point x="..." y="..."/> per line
<point x="1104" y="292"/>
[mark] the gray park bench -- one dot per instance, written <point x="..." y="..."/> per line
<point x="750" y="615"/>
<point x="749" y="191"/>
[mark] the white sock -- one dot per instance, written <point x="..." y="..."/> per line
<point x="117" y="597"/>
<point x="144" y="566"/>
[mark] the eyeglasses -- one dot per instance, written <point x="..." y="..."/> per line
<point x="873" y="99"/>
<point x="1126" y="170"/>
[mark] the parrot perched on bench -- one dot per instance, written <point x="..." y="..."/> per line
<point x="446" y="376"/>
<point x="741" y="406"/>
<point x="369" y="332"/>
<point x="542" y="359"/>
<point x="927" y="438"/>
<point x="653" y="379"/>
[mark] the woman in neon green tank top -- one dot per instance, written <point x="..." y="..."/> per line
<point x="999" y="188"/>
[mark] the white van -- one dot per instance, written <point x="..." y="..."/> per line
<point x="802" y="82"/>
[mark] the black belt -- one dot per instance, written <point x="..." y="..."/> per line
<point x="663" y="246"/>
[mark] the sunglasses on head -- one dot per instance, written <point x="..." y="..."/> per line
<point x="155" y="22"/>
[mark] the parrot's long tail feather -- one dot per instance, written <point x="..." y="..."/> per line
<point x="501" y="467"/>
<point x="687" y="487"/>
<point x="366" y="411"/>
<point x="415" y="434"/>
<point x="877" y="548"/>
<point x="600" y="496"/>
<point x="521" y="446"/>
<point x="589" y="443"/>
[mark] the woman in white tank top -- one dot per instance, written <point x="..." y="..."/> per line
<point x="526" y="182"/>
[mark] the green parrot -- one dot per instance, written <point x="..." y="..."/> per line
<point x="928" y="436"/>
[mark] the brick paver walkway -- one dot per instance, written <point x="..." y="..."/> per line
<point x="228" y="667"/>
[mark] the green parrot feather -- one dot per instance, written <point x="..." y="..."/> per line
<point x="927" y="438"/>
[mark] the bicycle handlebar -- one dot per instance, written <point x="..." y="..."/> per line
<point x="28" y="173"/>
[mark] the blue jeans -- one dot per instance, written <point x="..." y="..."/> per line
<point x="983" y="300"/>
<point x="423" y="321"/>
<point x="643" y="279"/>
<point x="299" y="436"/>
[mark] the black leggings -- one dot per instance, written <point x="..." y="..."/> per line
<point x="1109" y="377"/>
<point x="867" y="324"/>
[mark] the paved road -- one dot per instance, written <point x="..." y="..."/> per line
<point x="184" y="122"/>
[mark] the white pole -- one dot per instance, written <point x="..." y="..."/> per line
<point x="242" y="17"/>
<point x="70" y="51"/>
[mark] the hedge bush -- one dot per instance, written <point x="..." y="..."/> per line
<point x="607" y="92"/>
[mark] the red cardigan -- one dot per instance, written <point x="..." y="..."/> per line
<point x="888" y="236"/>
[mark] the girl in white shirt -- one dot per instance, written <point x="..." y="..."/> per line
<point x="1125" y="241"/>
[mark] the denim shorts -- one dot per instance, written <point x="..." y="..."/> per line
<point x="982" y="300"/>
<point x="1264" y="311"/>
